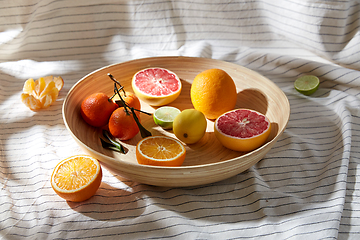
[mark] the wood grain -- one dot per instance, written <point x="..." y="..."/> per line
<point x="206" y="161"/>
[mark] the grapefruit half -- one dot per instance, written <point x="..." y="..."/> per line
<point x="156" y="86"/>
<point x="242" y="129"/>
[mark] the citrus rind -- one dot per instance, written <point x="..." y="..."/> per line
<point x="164" y="116"/>
<point x="242" y="144"/>
<point x="213" y="92"/>
<point x="146" y="159"/>
<point x="154" y="100"/>
<point x="86" y="190"/>
<point x="189" y="126"/>
<point x="307" y="84"/>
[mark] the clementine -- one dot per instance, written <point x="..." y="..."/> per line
<point x="122" y="124"/>
<point x="130" y="98"/>
<point x="96" y="109"/>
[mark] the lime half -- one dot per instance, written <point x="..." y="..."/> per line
<point x="307" y="85"/>
<point x="164" y="116"/>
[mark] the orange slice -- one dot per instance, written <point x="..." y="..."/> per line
<point x="77" y="178"/>
<point x="242" y="129"/>
<point x="160" y="151"/>
<point x="42" y="92"/>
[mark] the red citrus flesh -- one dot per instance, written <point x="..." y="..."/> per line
<point x="242" y="129"/>
<point x="156" y="86"/>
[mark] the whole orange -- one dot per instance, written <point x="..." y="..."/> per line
<point x="96" y="109"/>
<point x="213" y="92"/>
<point x="122" y="124"/>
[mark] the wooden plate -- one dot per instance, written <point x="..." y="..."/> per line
<point x="207" y="161"/>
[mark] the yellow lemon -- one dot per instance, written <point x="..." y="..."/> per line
<point x="190" y="126"/>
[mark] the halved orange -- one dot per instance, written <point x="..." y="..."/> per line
<point x="77" y="178"/>
<point x="160" y="151"/>
<point x="242" y="129"/>
<point x="42" y="92"/>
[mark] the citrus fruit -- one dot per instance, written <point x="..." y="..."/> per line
<point x="242" y="129"/>
<point x="130" y="98"/>
<point x="42" y="92"/>
<point x="213" y="92"/>
<point x="160" y="151"/>
<point x="96" y="109"/>
<point x="156" y="86"/>
<point x="190" y="126"/>
<point x="307" y="85"/>
<point x="76" y="178"/>
<point x="122" y="124"/>
<point x="164" y="116"/>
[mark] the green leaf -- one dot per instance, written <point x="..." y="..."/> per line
<point x="143" y="131"/>
<point x="113" y="145"/>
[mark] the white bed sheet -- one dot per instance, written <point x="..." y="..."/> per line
<point x="307" y="186"/>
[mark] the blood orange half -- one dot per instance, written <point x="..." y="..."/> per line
<point x="156" y="86"/>
<point x="242" y="129"/>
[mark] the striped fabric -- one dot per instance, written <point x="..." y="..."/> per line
<point x="306" y="187"/>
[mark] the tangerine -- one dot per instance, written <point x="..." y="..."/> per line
<point x="76" y="178"/>
<point x="213" y="92"/>
<point x="122" y="124"/>
<point x="130" y="98"/>
<point x="96" y="109"/>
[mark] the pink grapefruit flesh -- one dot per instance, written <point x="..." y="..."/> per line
<point x="156" y="86"/>
<point x="242" y="129"/>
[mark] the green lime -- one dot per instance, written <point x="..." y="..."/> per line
<point x="164" y="116"/>
<point x="307" y="85"/>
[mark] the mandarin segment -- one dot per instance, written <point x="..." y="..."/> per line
<point x="59" y="82"/>
<point x="29" y="86"/>
<point x="41" y="93"/>
<point x="40" y="86"/>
